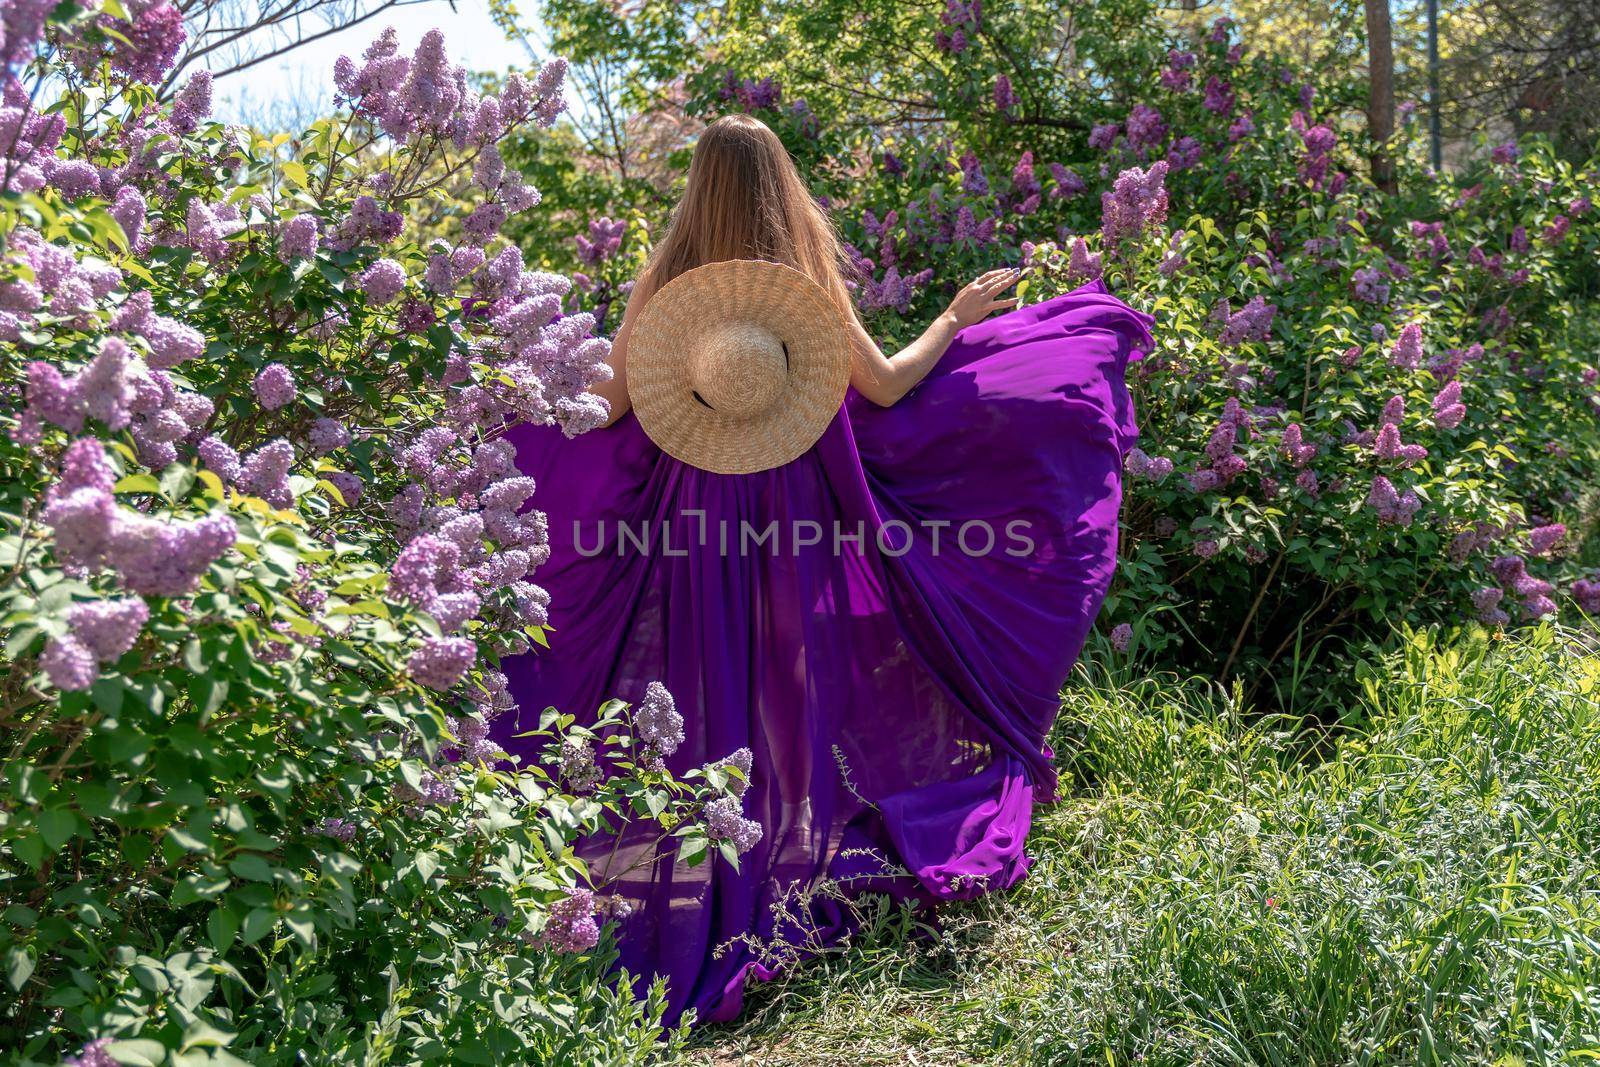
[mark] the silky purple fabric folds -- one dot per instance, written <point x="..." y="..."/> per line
<point x="892" y="656"/>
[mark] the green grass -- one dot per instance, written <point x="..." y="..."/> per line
<point x="1218" y="890"/>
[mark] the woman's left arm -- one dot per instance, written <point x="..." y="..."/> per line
<point x="885" y="379"/>
<point x="614" y="390"/>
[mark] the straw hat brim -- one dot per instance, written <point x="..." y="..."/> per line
<point x="693" y="305"/>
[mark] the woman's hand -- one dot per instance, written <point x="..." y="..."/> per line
<point x="981" y="298"/>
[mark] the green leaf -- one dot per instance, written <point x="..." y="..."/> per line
<point x="258" y="924"/>
<point x="19" y="964"/>
<point x="56" y="826"/>
<point x="193" y="888"/>
<point x="251" y="867"/>
<point x="30" y="850"/>
<point x="138" y="483"/>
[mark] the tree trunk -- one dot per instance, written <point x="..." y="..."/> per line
<point x="1380" y="91"/>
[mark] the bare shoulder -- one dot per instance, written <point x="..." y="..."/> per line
<point x="644" y="287"/>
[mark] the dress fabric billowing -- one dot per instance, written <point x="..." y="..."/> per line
<point x="895" y="693"/>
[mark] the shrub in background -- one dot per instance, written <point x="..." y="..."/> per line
<point x="1363" y="408"/>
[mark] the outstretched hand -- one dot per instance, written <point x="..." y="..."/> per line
<point x="981" y="298"/>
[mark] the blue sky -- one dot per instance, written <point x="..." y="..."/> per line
<point x="300" y="81"/>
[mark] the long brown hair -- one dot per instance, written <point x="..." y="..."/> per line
<point x="745" y="200"/>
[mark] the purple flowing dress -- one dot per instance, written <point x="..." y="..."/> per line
<point x="896" y="692"/>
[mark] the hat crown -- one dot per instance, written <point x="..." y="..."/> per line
<point x="739" y="369"/>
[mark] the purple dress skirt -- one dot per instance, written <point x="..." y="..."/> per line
<point x="895" y="680"/>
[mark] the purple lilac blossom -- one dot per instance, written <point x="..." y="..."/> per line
<point x="725" y="821"/>
<point x="1121" y="636"/>
<point x="382" y="282"/>
<point x="274" y="386"/>
<point x="441" y="662"/>
<point x="571" y="926"/>
<point x="108" y="628"/>
<point x="1138" y="199"/>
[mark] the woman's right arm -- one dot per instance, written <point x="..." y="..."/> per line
<point x="615" y="391"/>
<point x="885" y="379"/>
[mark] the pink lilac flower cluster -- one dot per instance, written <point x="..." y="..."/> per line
<point x="274" y="386"/>
<point x="1219" y="97"/>
<point x="1393" y="507"/>
<point x="1121" y="636"/>
<point x="97" y="632"/>
<point x="1387" y="444"/>
<point x="1511" y="572"/>
<point x="96" y="1053"/>
<point x="974" y="182"/>
<point x="893" y="290"/>
<point x="338" y="828"/>
<point x="119" y="390"/>
<point x="1544" y="540"/>
<point x="1486" y="602"/>
<point x="1448" y="410"/>
<point x="657" y="723"/>
<point x="1185" y="154"/>
<point x="1294" y="447"/>
<point x="61" y="288"/>
<point x="1223" y="463"/>
<point x="441" y="662"/>
<point x="435" y="791"/>
<point x="1082" y="264"/>
<point x="1005" y="97"/>
<point x="298" y="238"/>
<point x="1103" y="135"/>
<point x="750" y="94"/>
<point x="142" y="47"/>
<point x="1431" y="239"/>
<point x="263" y="473"/>
<point x="1370" y="285"/>
<point x="725" y="821"/>
<point x="1067" y="185"/>
<point x="1174" y="260"/>
<point x="1140" y="465"/>
<point x="1586" y="591"/>
<point x="744" y="761"/>
<point x="1318" y="142"/>
<point x="150" y="556"/>
<point x="576" y="765"/>
<point x="424" y="96"/>
<point x="1407" y="351"/>
<point x="1137" y="200"/>
<point x="545" y="361"/>
<point x="958" y="19"/>
<point x="1253" y="322"/>
<point x="446" y="568"/>
<point x="1026" y="190"/>
<point x="1177" y="75"/>
<point x="603" y="242"/>
<point x="1145" y="128"/>
<point x="571" y="925"/>
<point x="1556" y="231"/>
<point x="969" y="228"/>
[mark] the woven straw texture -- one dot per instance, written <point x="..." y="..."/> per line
<point x="738" y="366"/>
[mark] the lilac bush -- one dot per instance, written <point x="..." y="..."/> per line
<point x="265" y="545"/>
<point x="1278" y="506"/>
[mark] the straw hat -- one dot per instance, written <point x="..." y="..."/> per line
<point x="738" y="366"/>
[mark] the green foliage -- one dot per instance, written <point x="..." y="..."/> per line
<point x="261" y="828"/>
<point x="1265" y="574"/>
<point x="1224" y="891"/>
